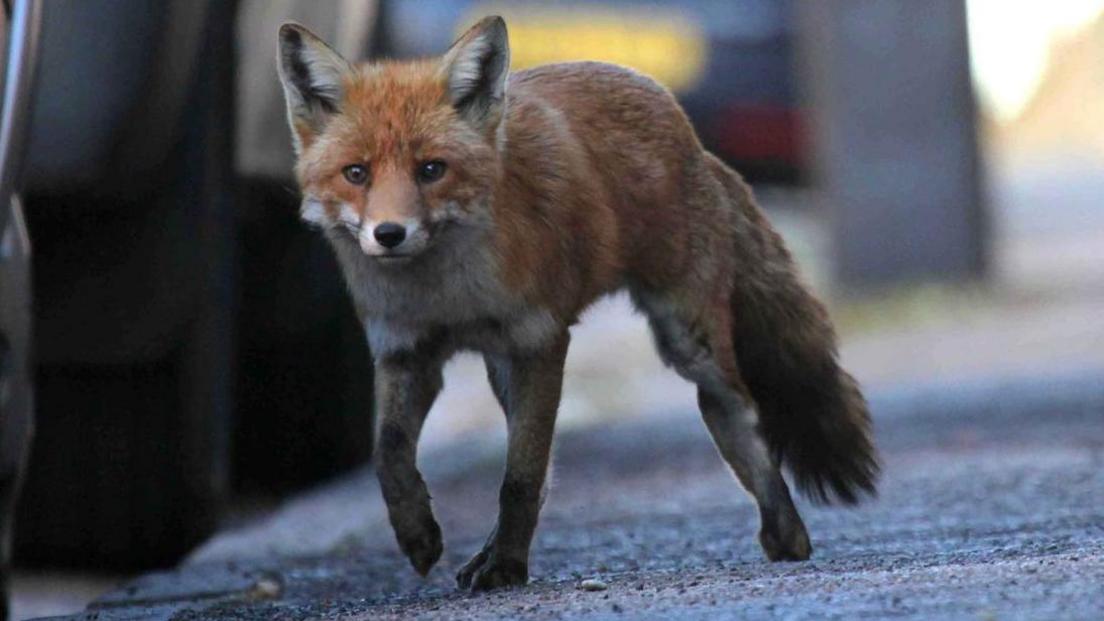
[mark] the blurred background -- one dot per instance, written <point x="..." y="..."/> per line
<point x="937" y="168"/>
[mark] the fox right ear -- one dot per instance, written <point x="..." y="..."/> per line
<point x="314" y="76"/>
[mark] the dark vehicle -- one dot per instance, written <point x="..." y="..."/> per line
<point x="19" y="27"/>
<point x="729" y="62"/>
<point x="182" y="347"/>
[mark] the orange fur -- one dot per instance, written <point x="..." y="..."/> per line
<point x="562" y="184"/>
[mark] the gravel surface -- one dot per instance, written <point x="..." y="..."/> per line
<point x="992" y="507"/>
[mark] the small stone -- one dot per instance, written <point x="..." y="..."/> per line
<point x="593" y="584"/>
<point x="266" y="588"/>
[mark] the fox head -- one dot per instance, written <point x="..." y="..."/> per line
<point x="396" y="154"/>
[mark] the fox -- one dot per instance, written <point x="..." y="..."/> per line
<point x="475" y="208"/>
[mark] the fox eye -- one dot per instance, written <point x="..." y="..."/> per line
<point x="356" y="174"/>
<point x="431" y="171"/>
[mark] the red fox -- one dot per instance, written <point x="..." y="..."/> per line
<point x="475" y="208"/>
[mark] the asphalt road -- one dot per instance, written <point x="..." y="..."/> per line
<point x="992" y="507"/>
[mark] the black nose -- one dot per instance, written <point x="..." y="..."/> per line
<point x="389" y="234"/>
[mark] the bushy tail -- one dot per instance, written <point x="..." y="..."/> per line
<point x="813" y="416"/>
<point x="812" y="413"/>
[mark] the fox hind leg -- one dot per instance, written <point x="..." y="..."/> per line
<point x="734" y="427"/>
<point x="702" y="352"/>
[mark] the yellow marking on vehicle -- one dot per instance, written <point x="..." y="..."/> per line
<point x="663" y="45"/>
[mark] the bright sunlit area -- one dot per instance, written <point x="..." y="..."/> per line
<point x="1013" y="43"/>
<point x="1037" y="68"/>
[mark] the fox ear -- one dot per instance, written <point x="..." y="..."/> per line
<point x="313" y="76"/>
<point x="476" y="67"/>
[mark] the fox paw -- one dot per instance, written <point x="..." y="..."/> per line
<point x="788" y="542"/>
<point x="485" y="572"/>
<point x="422" y="545"/>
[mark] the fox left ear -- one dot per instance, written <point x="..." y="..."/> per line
<point x="476" y="67"/>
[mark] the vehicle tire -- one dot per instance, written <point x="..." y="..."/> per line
<point x="134" y="293"/>
<point x="124" y="475"/>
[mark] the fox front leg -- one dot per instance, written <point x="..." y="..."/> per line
<point x="529" y="386"/>
<point x="406" y="386"/>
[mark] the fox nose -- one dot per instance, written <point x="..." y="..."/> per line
<point x="389" y="234"/>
